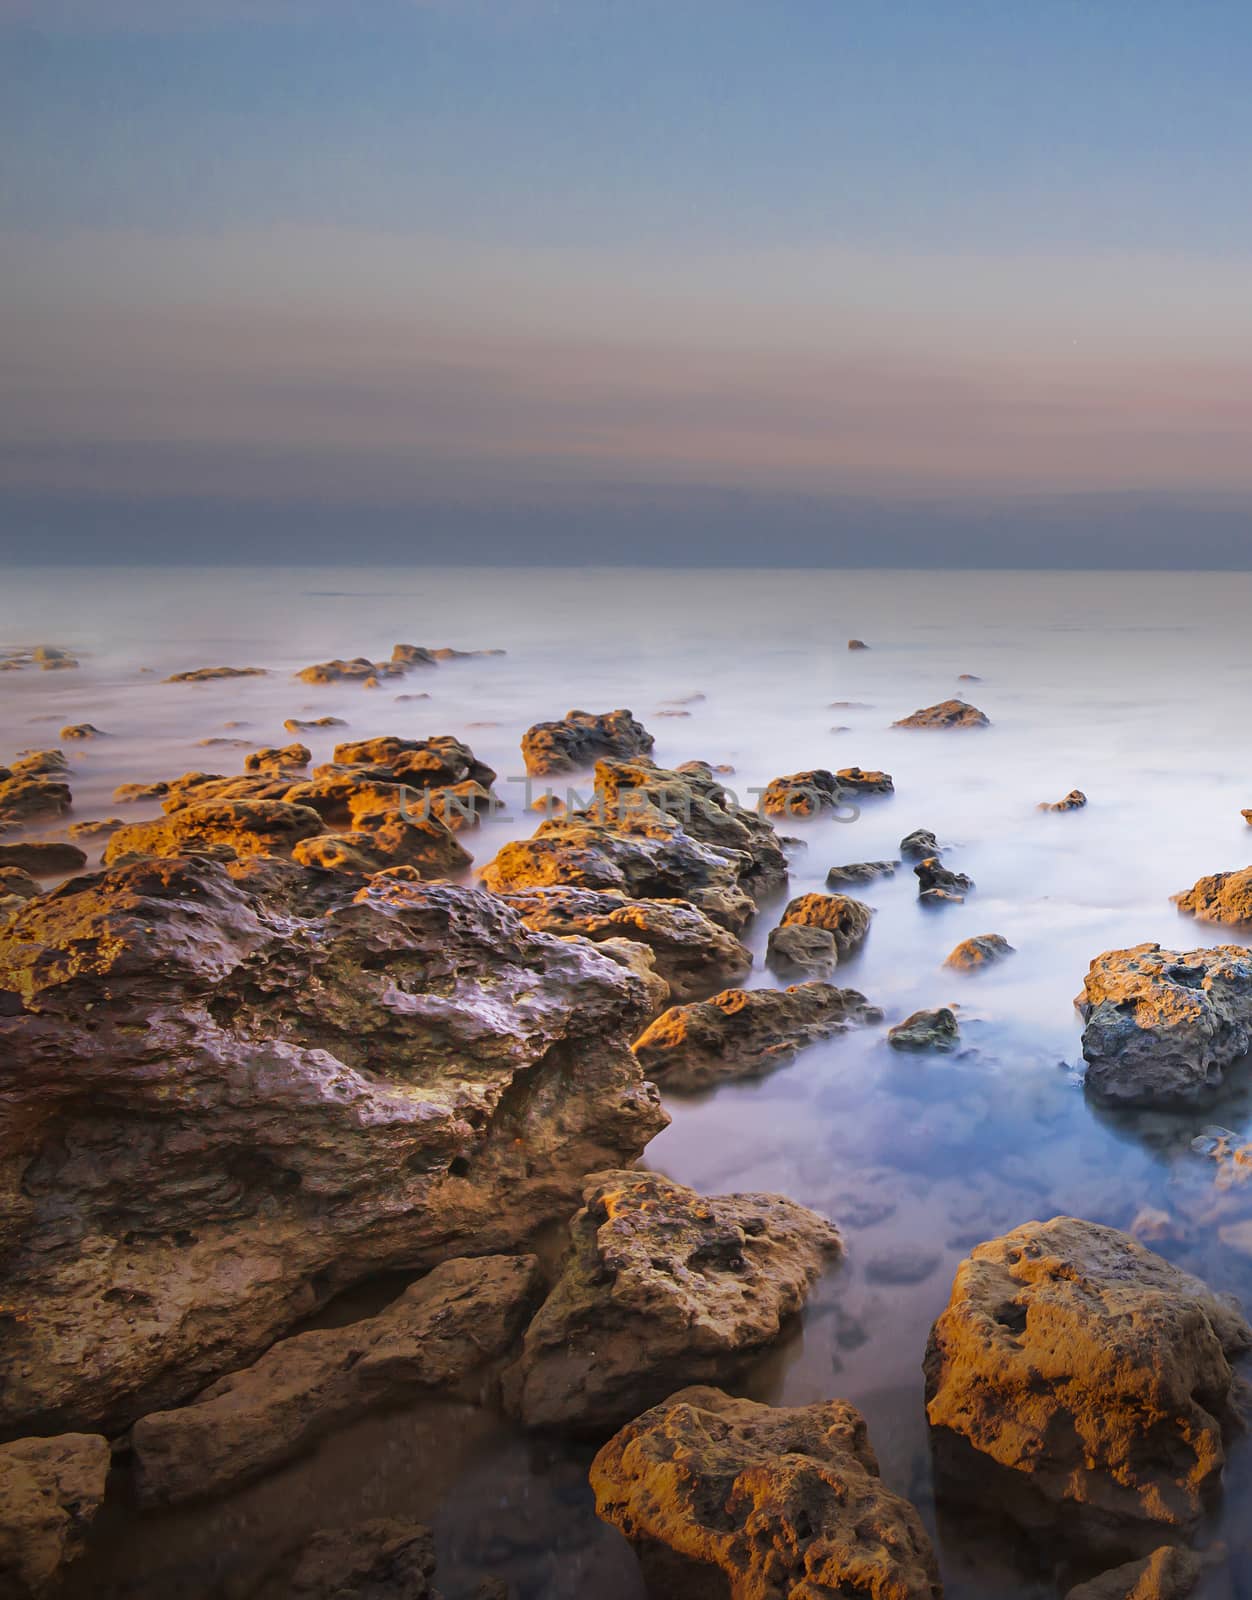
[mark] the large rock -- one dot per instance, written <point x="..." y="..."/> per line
<point x="661" y="1287"/>
<point x="947" y="714"/>
<point x="28" y="797"/>
<point x="725" y="1496"/>
<point x="1222" y="897"/>
<point x="695" y="956"/>
<point x="247" y="827"/>
<point x="50" y="1490"/>
<point x="1162" y="1025"/>
<point x="845" y="919"/>
<point x="435" y="1335"/>
<point x="425" y="844"/>
<point x="237" y="1088"/>
<point x="582" y="738"/>
<point x="1096" y="1376"/>
<point x="1169" y="1573"/>
<point x="743" y="1033"/>
<point x="800" y="952"/>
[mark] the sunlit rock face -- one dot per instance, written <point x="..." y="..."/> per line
<point x="582" y="738"/>
<point x="233" y="1088"/>
<point x="1221" y="897"/>
<point x="947" y="714"/>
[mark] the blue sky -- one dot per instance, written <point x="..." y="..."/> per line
<point x="435" y="254"/>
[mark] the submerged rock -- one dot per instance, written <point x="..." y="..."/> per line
<point x="845" y="919"/>
<point x="745" y="1032"/>
<point x="807" y="794"/>
<point x="274" y="758"/>
<point x="141" y="791"/>
<point x="81" y="730"/>
<point x="50" y="1491"/>
<point x="857" y="644"/>
<point x="17" y="881"/>
<point x="860" y="872"/>
<point x="726" y="1496"/>
<point x="39" y="763"/>
<point x="947" y="714"/>
<point x="1075" y="800"/>
<point x="926" y="1030"/>
<point x="357" y="670"/>
<point x="97" y="828"/>
<point x="983" y="950"/>
<point x="661" y="1286"/>
<point x="376" y="1560"/>
<point x="1222" y="897"/>
<point x="582" y="738"/>
<point x="210" y="674"/>
<point x="435" y="1335"/>
<point x="1093" y="1373"/>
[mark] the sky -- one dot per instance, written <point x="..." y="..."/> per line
<point x="755" y="281"/>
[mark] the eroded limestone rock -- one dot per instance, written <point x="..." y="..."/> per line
<point x="845" y="919"/>
<point x="1222" y="897"/>
<point x="582" y="738"/>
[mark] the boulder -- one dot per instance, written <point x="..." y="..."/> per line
<point x="50" y="1490"/>
<point x="377" y="1560"/>
<point x="798" y="951"/>
<point x="1169" y="1573"/>
<point x="926" y="1030"/>
<point x="43" y="858"/>
<point x="860" y="872"/>
<point x="1075" y="800"/>
<point x="743" y="1033"/>
<point x="1222" y="897"/>
<point x="947" y="714"/>
<point x="248" y="827"/>
<point x="582" y="738"/>
<point x="845" y="919"/>
<point x="1161" y="1026"/>
<point x="29" y="798"/>
<point x="211" y="674"/>
<point x="39" y="763"/>
<point x="17" y="881"/>
<point x="386" y="841"/>
<point x="1095" y="1376"/>
<point x="436" y="1335"/>
<point x="434" y="763"/>
<point x="918" y="845"/>
<point x="238" y="1088"/>
<point x="412" y="655"/>
<point x="661" y="1286"/>
<point x="199" y="788"/>
<point x="726" y="1496"/>
<point x="983" y="950"/>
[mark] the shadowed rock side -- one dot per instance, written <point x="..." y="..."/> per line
<point x="743" y="1033"/>
<point x="1222" y="897"/>
<point x="860" y="872"/>
<point x="1169" y="1573"/>
<point x="1162" y="1025"/>
<point x="31" y="796"/>
<point x="725" y="1496"/>
<point x="50" y="1490"/>
<point x="581" y="739"/>
<point x="800" y="952"/>
<point x="236" y="1088"/>
<point x="377" y="1560"/>
<point x="661" y="1286"/>
<point x="1093" y="1372"/>
<point x="42" y="858"/>
<point x="936" y="883"/>
<point x="439" y="1332"/>
<point x="926" y="1030"/>
<point x="947" y="714"/>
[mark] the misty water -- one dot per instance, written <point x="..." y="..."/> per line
<point x="1133" y="687"/>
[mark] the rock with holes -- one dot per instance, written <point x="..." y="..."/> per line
<point x="238" y="1087"/>
<point x="845" y="919"/>
<point x="722" y="1496"/>
<point x="1161" y="1026"/>
<point x="1094" y="1377"/>
<point x="434" y="763"/>
<point x="661" y="1286"/>
<point x="1222" y="897"/>
<point x="581" y="739"/>
<point x="245" y="827"/>
<point x="50" y="1491"/>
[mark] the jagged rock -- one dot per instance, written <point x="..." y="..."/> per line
<point x="797" y="951"/>
<point x="436" y="1335"/>
<point x="383" y="841"/>
<point x="238" y="1088"/>
<point x="50" y="1490"/>
<point x="937" y="882"/>
<point x="807" y="794"/>
<point x="376" y="1560"/>
<point x="745" y="1032"/>
<point x="1093" y="1373"/>
<point x="17" y="881"/>
<point x="726" y="1496"/>
<point x="641" y="960"/>
<point x="947" y="714"/>
<point x="303" y="725"/>
<point x="1223" y="897"/>
<point x="412" y="655"/>
<point x="983" y="950"/>
<point x="661" y="1286"/>
<point x="210" y="674"/>
<point x="248" y="827"/>
<point x="845" y="919"/>
<point x="80" y="730"/>
<point x="435" y="763"/>
<point x="198" y="788"/>
<point x="926" y="1030"/>
<point x="582" y="738"/>
<point x="274" y="758"/>
<point x="26" y="798"/>
<point x="141" y="791"/>
<point x="860" y="872"/>
<point x="39" y="763"/>
<point x="858" y="781"/>
<point x="695" y="956"/>
<point x="1162" y="1025"/>
<point x="918" y="845"/>
<point x="97" y="828"/>
<point x="357" y="670"/>
<point x="43" y="858"/>
<point x="1169" y="1573"/>
<point x="1075" y="800"/>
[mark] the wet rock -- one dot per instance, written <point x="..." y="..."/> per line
<point x="661" y="1286"/>
<point x="434" y="763"/>
<point x="303" y="725"/>
<point x="387" y="840"/>
<point x="223" y="742"/>
<point x="238" y="1088"/>
<point x="248" y="827"/>
<point x="43" y="858"/>
<point x="50" y="1491"/>
<point x="726" y="1496"/>
<point x="807" y="794"/>
<point x="357" y="670"/>
<point x="274" y="758"/>
<point x="936" y="881"/>
<point x="640" y="960"/>
<point x="80" y="730"/>
<point x="983" y="950"/>
<point x="1222" y="897"/>
<point x="1075" y="800"/>
<point x="39" y="763"/>
<point x="860" y="872"/>
<point x="845" y="919"/>
<point x="695" y="956"/>
<point x="412" y="655"/>
<point x="798" y="951"/>
<point x="211" y="674"/>
<point x="745" y="1032"/>
<point x="582" y="738"/>
<point x="436" y="1335"/>
<point x="97" y="828"/>
<point x="926" y="1030"/>
<point x="918" y="845"/>
<point x="198" y="788"/>
<point x="1169" y="1573"/>
<point x="947" y="714"/>
<point x="1093" y="1373"/>
<point x="1162" y="1025"/>
<point x="857" y="644"/>
<point x="17" y="881"/>
<point x="126" y="792"/>
<point x="28" y="799"/>
<point x="377" y="1560"/>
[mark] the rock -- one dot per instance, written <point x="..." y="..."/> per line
<point x="17" y="881"/>
<point x="640" y="960"/>
<point x="223" y="742"/>
<point x="947" y="714"/>
<point x="918" y="845"/>
<point x="745" y="1032"/>
<point x="43" y="858"/>
<point x="426" y="845"/>
<point x="29" y="799"/>
<point x="446" y="653"/>
<point x="937" y="881"/>
<point x="807" y="794"/>
<point x="198" y="788"/>
<point x="1162" y="1025"/>
<point x="401" y="699"/>
<point x="1169" y="1573"/>
<point x="211" y="674"/>
<point x="238" y="1088"/>
<point x="377" y="1560"/>
<point x="983" y="950"/>
<point x="926" y="1030"/>
<point x="695" y="956"/>
<point x="272" y="758"/>
<point x="248" y="827"/>
<point x="297" y="725"/>
<point x="726" y="1496"/>
<point x="98" y="828"/>
<point x="50" y="1490"/>
<point x="357" y="670"/>
<point x="845" y="919"/>
<point x="661" y="1286"/>
<point x="140" y="791"/>
<point x="798" y="951"/>
<point x="51" y="659"/>
<point x="857" y="644"/>
<point x="39" y="763"/>
<point x="435" y="1335"/>
<point x="968" y="677"/>
<point x="1223" y="897"/>
<point x="860" y="872"/>
<point x="434" y="763"/>
<point x="412" y="655"/>
<point x="1073" y="801"/>
<point x="858" y="781"/>
<point x="581" y="738"/>
<point x="1093" y="1373"/>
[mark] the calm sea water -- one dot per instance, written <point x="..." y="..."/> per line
<point x="1132" y="687"/>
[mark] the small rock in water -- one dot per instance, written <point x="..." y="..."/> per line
<point x="209" y="674"/>
<point x="926" y="1030"/>
<point x="860" y="872"/>
<point x="980" y="951"/>
<point x="81" y="730"/>
<point x="1075" y="800"/>
<point x="377" y="1560"/>
<point x="947" y="714"/>
<point x="298" y="725"/>
<point x="100" y="828"/>
<point x="936" y="880"/>
<point x="919" y="844"/>
<point x="857" y="644"/>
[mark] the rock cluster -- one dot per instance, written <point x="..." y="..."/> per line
<point x="47" y="657"/>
